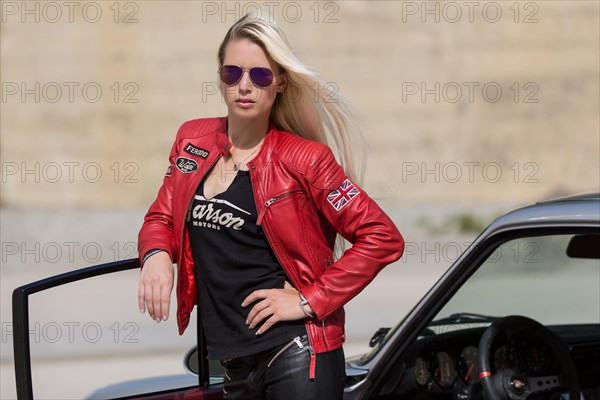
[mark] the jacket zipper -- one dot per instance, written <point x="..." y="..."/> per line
<point x="323" y="331"/>
<point x="313" y="361"/>
<point x="328" y="262"/>
<point x="269" y="203"/>
<point x="313" y="357"/>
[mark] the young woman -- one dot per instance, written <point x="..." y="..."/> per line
<point x="250" y="208"/>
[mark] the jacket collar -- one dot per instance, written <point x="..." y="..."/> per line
<point x="223" y="143"/>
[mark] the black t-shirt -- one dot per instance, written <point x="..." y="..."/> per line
<point x="232" y="259"/>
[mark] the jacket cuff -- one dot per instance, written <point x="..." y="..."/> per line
<point x="311" y="295"/>
<point x="149" y="254"/>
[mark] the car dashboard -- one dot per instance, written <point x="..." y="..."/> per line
<point x="444" y="364"/>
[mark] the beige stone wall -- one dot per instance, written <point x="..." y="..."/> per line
<point x="539" y="137"/>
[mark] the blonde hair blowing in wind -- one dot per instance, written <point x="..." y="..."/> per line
<point x="307" y="108"/>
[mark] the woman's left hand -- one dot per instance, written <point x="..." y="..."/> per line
<point x="276" y="305"/>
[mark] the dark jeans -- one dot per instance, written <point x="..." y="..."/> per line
<point x="283" y="374"/>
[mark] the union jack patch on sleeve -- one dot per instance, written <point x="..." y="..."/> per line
<point x="341" y="196"/>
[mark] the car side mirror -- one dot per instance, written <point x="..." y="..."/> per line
<point x="190" y="361"/>
<point x="190" y="364"/>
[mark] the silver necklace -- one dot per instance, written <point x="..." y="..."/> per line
<point x="238" y="165"/>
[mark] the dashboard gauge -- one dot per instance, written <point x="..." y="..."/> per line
<point x="500" y="358"/>
<point x="467" y="365"/>
<point x="537" y="359"/>
<point x="422" y="374"/>
<point x="444" y="372"/>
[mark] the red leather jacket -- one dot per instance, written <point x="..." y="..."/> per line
<point x="303" y="197"/>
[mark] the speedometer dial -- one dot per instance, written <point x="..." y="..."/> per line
<point x="422" y="374"/>
<point x="467" y="365"/>
<point x="444" y="372"/>
<point x="537" y="359"/>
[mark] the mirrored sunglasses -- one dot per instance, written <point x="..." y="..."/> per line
<point x="232" y="74"/>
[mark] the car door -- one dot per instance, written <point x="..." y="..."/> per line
<point x="67" y="338"/>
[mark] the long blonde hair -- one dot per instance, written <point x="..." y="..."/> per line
<point x="308" y="107"/>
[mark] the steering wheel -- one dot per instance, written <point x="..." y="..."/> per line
<point x="513" y="383"/>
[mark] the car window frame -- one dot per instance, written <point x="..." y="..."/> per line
<point x="20" y="315"/>
<point x="455" y="276"/>
<point x="402" y="335"/>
